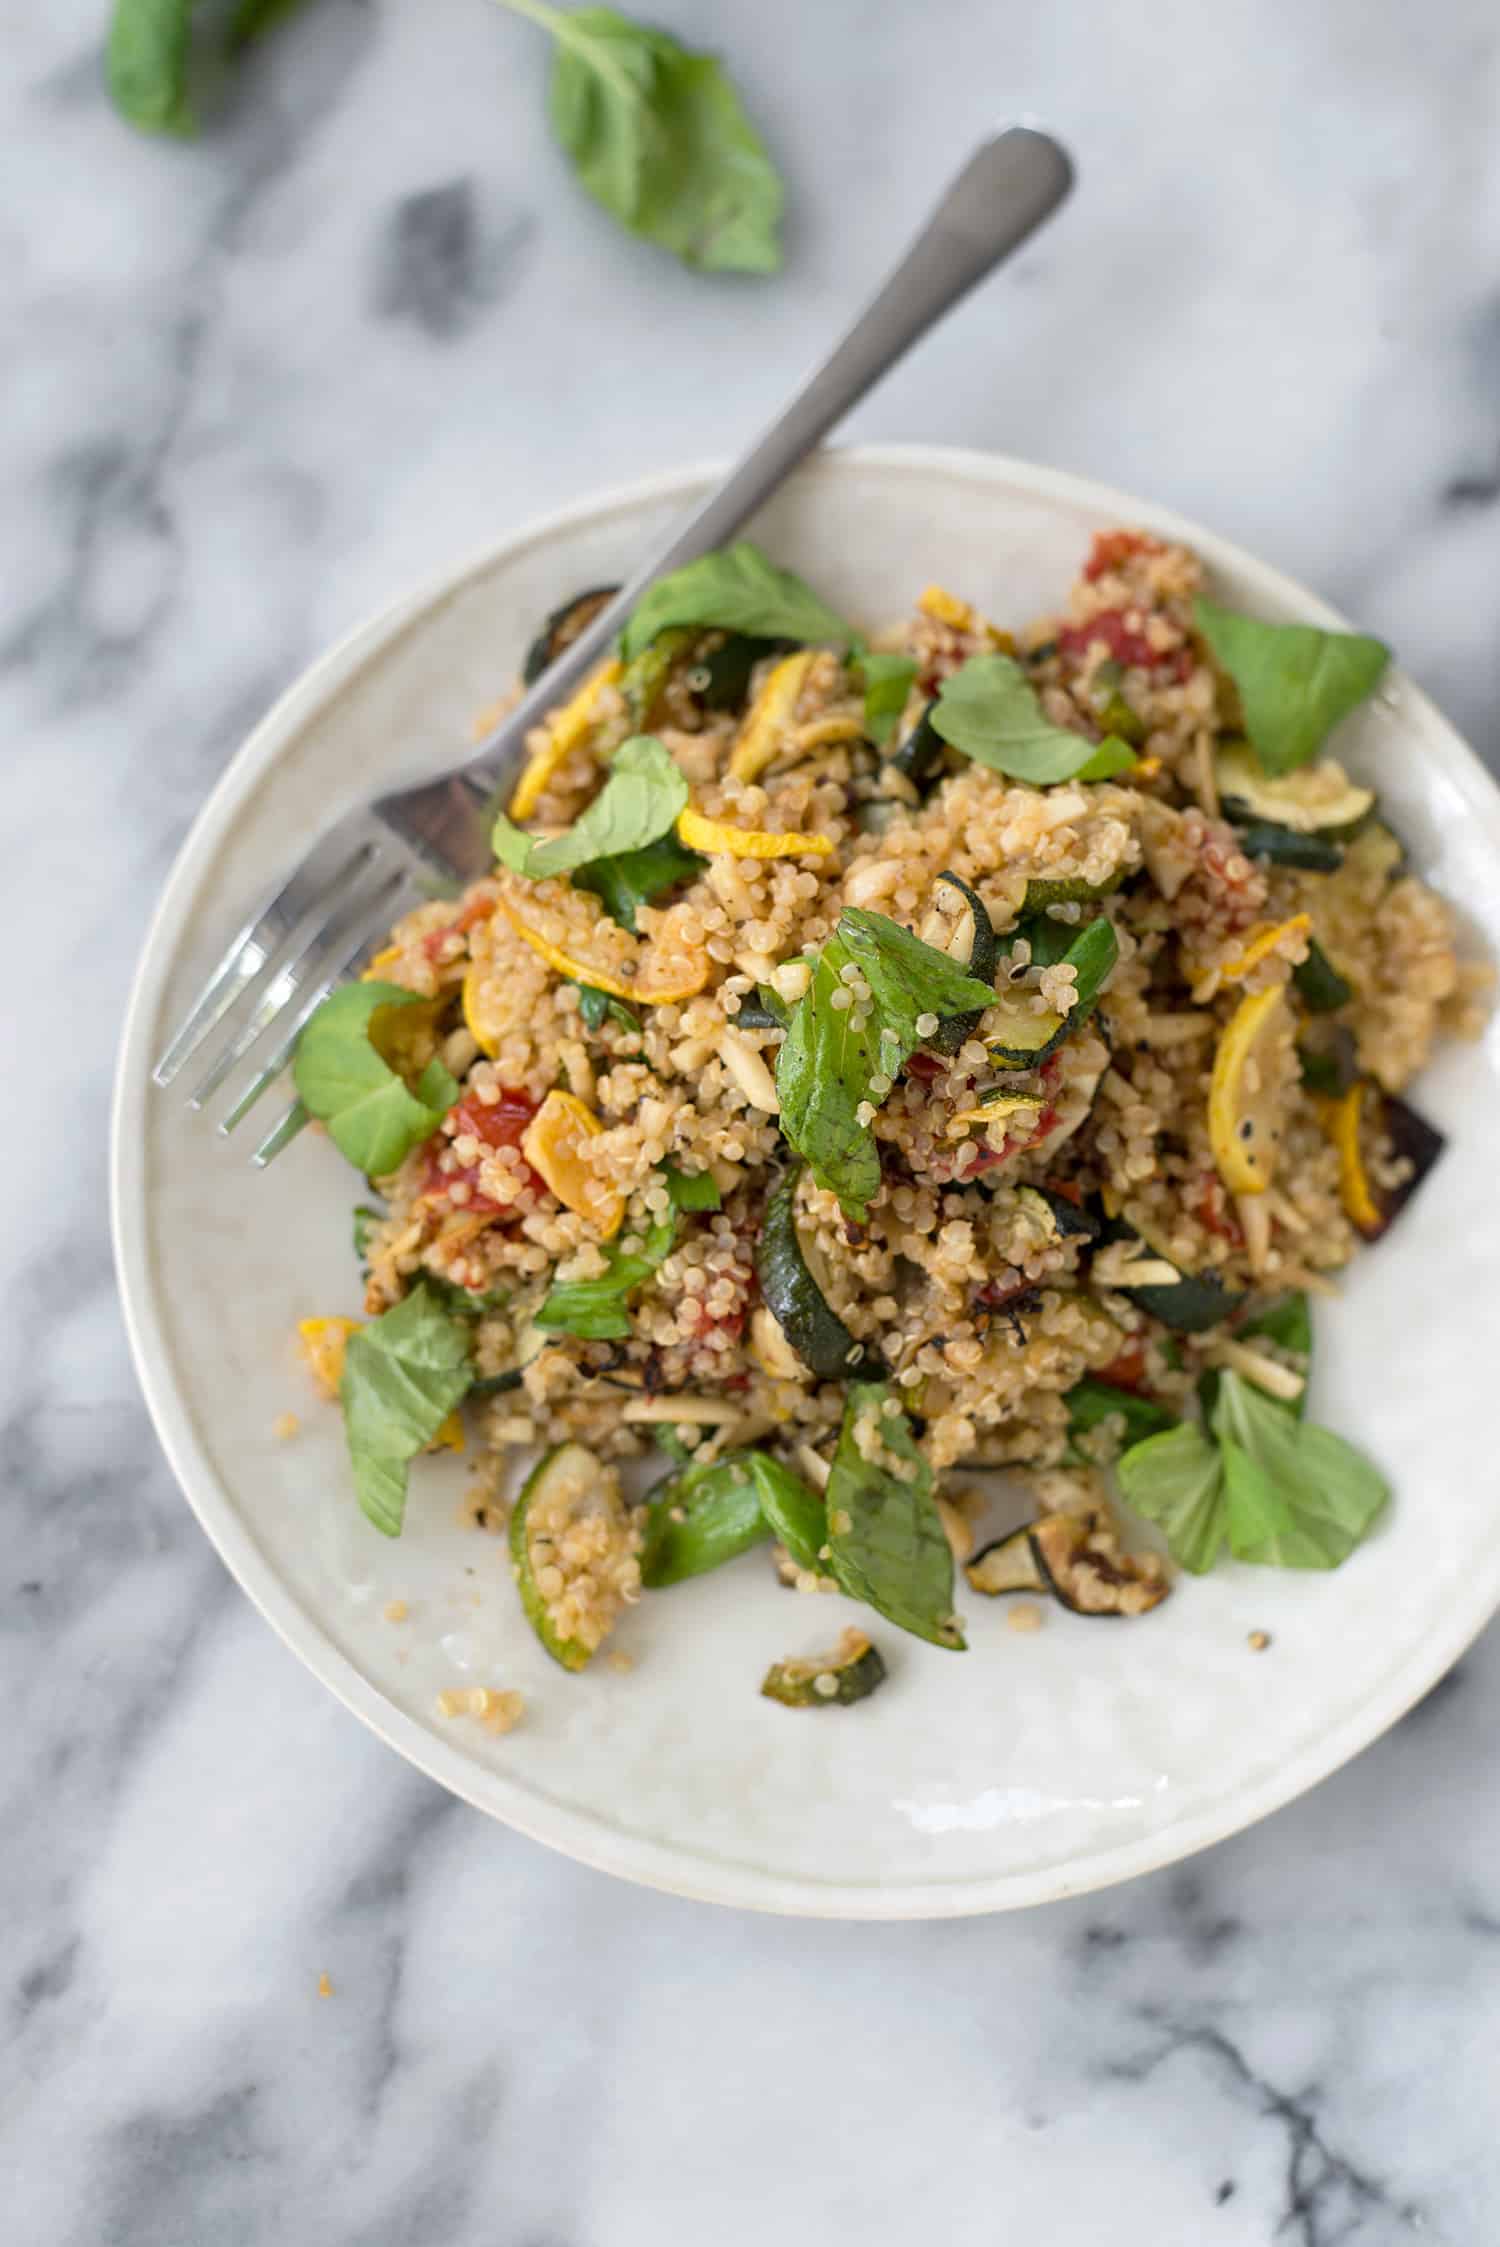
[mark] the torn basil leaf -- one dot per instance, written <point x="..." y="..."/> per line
<point x="886" y="1541"/>
<point x="990" y="711"/>
<point x="740" y="589"/>
<point x="403" y="1374"/>
<point x="373" y="1117"/>
<point x="1294" y="681"/>
<point x="1296" y="1495"/>
<point x="1176" y="1479"/>
<point x="637" y="805"/>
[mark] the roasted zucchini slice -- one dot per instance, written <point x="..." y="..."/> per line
<point x="1187" y="1302"/>
<point x="1284" y="846"/>
<point x="919" y="758"/>
<point x="1318" y="982"/>
<point x="1316" y="799"/>
<point x="797" y="1303"/>
<point x="1080" y="1558"/>
<point x="562" y="629"/>
<point x="575" y="1551"/>
<point x="1009" y="1565"/>
<point x="849" y="1672"/>
<point x="983" y="959"/>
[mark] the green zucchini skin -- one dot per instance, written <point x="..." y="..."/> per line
<point x="919" y="758"/>
<point x="562" y="627"/>
<point x="1073" y="1220"/>
<point x="1321" y="987"/>
<point x="1330" y="1066"/>
<point x="796" y="1302"/>
<point x="720" y="680"/>
<point x="721" y="1518"/>
<point x="570" y="1652"/>
<point x="755" y="1015"/>
<point x="1190" y="1304"/>
<point x="856" y="1675"/>
<point x="952" y="1031"/>
<point x="1284" y="846"/>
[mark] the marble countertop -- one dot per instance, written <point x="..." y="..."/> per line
<point x="256" y="385"/>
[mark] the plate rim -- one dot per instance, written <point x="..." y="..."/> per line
<point x="588" y="1837"/>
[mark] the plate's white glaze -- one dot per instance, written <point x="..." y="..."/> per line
<point x="1032" y="1768"/>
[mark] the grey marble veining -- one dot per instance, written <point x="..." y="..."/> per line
<point x="254" y="386"/>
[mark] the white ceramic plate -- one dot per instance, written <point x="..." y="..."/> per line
<point x="1032" y="1768"/>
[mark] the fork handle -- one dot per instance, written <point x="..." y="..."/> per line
<point x="1009" y="185"/>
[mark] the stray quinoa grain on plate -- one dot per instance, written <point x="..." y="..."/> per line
<point x="874" y="1062"/>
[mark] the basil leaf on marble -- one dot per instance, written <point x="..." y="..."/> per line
<point x="637" y="805"/>
<point x="885" y="1538"/>
<point x="990" y="711"/>
<point x="657" y="135"/>
<point x="373" y="1117"/>
<point x="1294" y="681"/>
<point x="739" y="589"/>
<point x="403" y="1374"/>
<point x="146" y="63"/>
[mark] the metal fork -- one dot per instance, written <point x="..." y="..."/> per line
<point x="385" y="857"/>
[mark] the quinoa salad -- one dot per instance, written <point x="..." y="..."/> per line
<point x="874" y="1063"/>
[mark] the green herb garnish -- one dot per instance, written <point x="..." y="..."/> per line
<point x="797" y="1515"/>
<point x="596" y="1007"/>
<point x="374" y="1118"/>
<point x="700" y="1517"/>
<point x="657" y="135"/>
<point x="989" y="710"/>
<point x="638" y="877"/>
<point x="403" y="1374"/>
<point x="887" y="680"/>
<point x="691" y="1190"/>
<point x="828" y="1060"/>
<point x="740" y="589"/>
<point x="885" y="1538"/>
<point x="637" y="805"/>
<point x="595" y="1310"/>
<point x="1177" y="1480"/>
<point x="1295" y="682"/>
<point x="1089" y="1401"/>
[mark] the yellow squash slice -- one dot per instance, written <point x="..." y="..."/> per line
<point x="764" y="731"/>
<point x="1262" y="942"/>
<point x="554" y="1144"/>
<point x="712" y="835"/>
<point x="478" y="1019"/>
<point x="1341" y="1119"/>
<point x="1252" y="1069"/>
<point x="1017" y="1111"/>
<point x="576" y="938"/>
<point x="567" y="730"/>
<point x="324" y="1342"/>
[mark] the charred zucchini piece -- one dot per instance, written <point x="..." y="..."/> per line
<point x="699" y="1518"/>
<point x="1318" y="982"/>
<point x="984" y="958"/>
<point x="530" y="1344"/>
<point x="1285" y="846"/>
<point x="562" y="629"/>
<point x="1329" y="1059"/>
<point x="720" y="679"/>
<point x="1041" y="892"/>
<point x="919" y="758"/>
<point x="850" y="1672"/>
<point x="1316" y="799"/>
<point x="1010" y="1565"/>
<point x="1022" y="1040"/>
<point x="1080" y="1560"/>
<point x="574" y="1547"/>
<point x="1189" y="1304"/>
<point x="1070" y="1219"/>
<point x="755" y="1014"/>
<point x="797" y="1303"/>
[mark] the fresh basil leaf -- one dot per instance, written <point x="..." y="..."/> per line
<point x="907" y="978"/>
<point x="827" y="1061"/>
<point x="774" y="1005"/>
<point x="796" y="1514"/>
<point x="1295" y="682"/>
<point x="740" y="589"/>
<point x="699" y="1518"/>
<point x="1110" y="757"/>
<point x="594" y="1310"/>
<point x="146" y="63"/>
<point x="1297" y="1496"/>
<point x="373" y="1118"/>
<point x="637" y="805"/>
<point x="989" y="711"/>
<point x="467" y="1302"/>
<point x="823" y="1074"/>
<point x="1090" y="1401"/>
<point x="365" y="1222"/>
<point x="657" y="135"/>
<point x="636" y="877"/>
<point x="691" y="1190"/>
<point x="596" y="1007"/>
<point x="885" y="1537"/>
<point x="1092" y="953"/>
<point x="403" y="1374"/>
<point x="887" y="681"/>
<point x="1176" y="1479"/>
